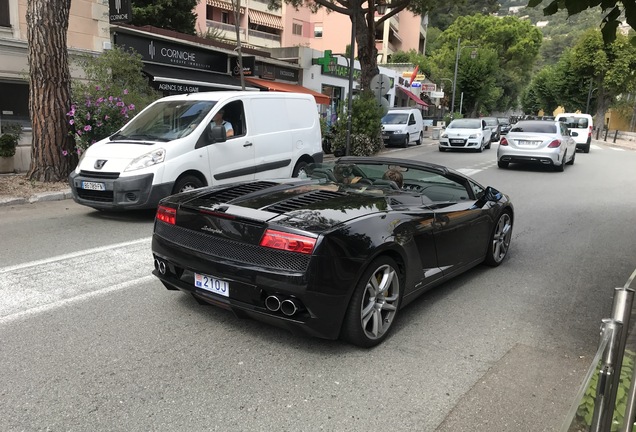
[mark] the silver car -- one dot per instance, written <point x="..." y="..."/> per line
<point x="538" y="141"/>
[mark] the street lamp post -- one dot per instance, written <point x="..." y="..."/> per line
<point x="459" y="49"/>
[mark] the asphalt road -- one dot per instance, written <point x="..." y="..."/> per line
<point x="89" y="340"/>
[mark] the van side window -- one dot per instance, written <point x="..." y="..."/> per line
<point x="234" y="113"/>
<point x="412" y="119"/>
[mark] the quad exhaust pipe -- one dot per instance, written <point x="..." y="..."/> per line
<point x="287" y="306"/>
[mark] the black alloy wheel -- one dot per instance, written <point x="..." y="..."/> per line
<point x="374" y="305"/>
<point x="187" y="183"/>
<point x="499" y="240"/>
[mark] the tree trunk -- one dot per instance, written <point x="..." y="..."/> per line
<point x="367" y="52"/>
<point x="53" y="155"/>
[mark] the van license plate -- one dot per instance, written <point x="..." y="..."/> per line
<point x="93" y="186"/>
<point x="212" y="284"/>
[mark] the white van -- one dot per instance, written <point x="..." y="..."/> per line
<point x="174" y="145"/>
<point x="582" y="124"/>
<point x="401" y="126"/>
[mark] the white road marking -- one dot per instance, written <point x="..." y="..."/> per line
<point x="617" y="149"/>
<point x="468" y="171"/>
<point x="38" y="286"/>
<point x="596" y="147"/>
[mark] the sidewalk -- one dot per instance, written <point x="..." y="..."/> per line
<point x="7" y="200"/>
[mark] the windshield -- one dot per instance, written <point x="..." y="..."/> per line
<point x="395" y="118"/>
<point x="491" y="121"/>
<point x="165" y="121"/>
<point x="503" y="120"/>
<point x="465" y="124"/>
<point x="535" y="127"/>
<point x="386" y="178"/>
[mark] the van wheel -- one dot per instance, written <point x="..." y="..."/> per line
<point x="187" y="183"/>
<point x="419" y="140"/>
<point x="300" y="167"/>
<point x="405" y="144"/>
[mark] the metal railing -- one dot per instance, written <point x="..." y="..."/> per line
<point x="606" y="368"/>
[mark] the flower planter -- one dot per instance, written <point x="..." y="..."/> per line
<point x="7" y="165"/>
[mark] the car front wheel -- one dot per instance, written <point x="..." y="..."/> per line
<point x="499" y="240"/>
<point x="374" y="304"/>
<point x="187" y="183"/>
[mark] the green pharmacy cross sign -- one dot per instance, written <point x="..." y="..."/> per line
<point x="331" y="67"/>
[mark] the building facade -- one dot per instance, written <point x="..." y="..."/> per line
<point x="88" y="34"/>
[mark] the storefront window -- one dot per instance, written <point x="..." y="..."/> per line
<point x="14" y="103"/>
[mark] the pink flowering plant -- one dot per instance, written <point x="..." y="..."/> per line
<point x="97" y="116"/>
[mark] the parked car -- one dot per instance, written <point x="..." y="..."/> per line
<point x="538" y="141"/>
<point x="336" y="254"/>
<point x="495" y="128"/>
<point x="504" y="125"/>
<point x="174" y="144"/>
<point x="402" y="126"/>
<point x="468" y="133"/>
<point x="583" y="125"/>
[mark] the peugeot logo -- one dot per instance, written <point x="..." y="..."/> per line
<point x="99" y="164"/>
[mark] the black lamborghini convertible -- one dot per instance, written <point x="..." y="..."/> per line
<point x="336" y="252"/>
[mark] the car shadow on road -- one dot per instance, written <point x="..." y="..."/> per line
<point x="130" y="216"/>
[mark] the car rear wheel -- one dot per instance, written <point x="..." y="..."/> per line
<point x="561" y="168"/>
<point x="186" y="183"/>
<point x="499" y="240"/>
<point x="572" y="160"/>
<point x="374" y="304"/>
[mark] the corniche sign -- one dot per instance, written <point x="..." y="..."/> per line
<point x="120" y="11"/>
<point x="163" y="52"/>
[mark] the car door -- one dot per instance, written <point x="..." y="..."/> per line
<point x="461" y="229"/>
<point x="233" y="159"/>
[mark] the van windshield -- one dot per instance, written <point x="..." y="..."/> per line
<point x="165" y="121"/>
<point x="395" y="118"/>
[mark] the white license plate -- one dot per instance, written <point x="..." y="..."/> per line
<point x="457" y="141"/>
<point x="93" y="186"/>
<point x="385" y="136"/>
<point x="524" y="143"/>
<point x="212" y="284"/>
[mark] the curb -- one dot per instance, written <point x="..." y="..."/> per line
<point x="39" y="197"/>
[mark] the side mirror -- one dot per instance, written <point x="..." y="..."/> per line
<point x="489" y="194"/>
<point x="216" y="133"/>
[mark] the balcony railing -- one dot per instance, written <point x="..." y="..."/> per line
<point x="264" y="35"/>
<point x="226" y="28"/>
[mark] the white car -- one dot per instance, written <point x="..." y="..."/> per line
<point x="469" y="133"/>
<point x="545" y="142"/>
<point x="583" y="125"/>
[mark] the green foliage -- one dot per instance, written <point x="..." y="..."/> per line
<point x="613" y="12"/>
<point x="506" y="49"/>
<point x="9" y="139"/>
<point x="366" y="127"/>
<point x="114" y="90"/>
<point x="8" y="143"/>
<point x="443" y="14"/>
<point x="177" y="15"/>
<point x="585" y="410"/>
<point x="414" y="58"/>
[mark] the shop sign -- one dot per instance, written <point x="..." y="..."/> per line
<point x="160" y="51"/>
<point x="249" y="63"/>
<point x="331" y="67"/>
<point x="119" y="11"/>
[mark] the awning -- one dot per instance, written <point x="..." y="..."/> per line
<point x="283" y="87"/>
<point x="413" y="97"/>
<point x="193" y="78"/>
<point x="265" y="19"/>
<point x="224" y="5"/>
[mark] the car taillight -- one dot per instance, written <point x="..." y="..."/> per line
<point x="167" y="214"/>
<point x="288" y="242"/>
<point x="589" y="131"/>
<point x="503" y="142"/>
<point x="554" y="144"/>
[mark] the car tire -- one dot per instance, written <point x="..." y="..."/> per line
<point x="572" y="160"/>
<point x="442" y="149"/>
<point x="561" y="168"/>
<point x="300" y="166"/>
<point x="501" y="164"/>
<point x="586" y="149"/>
<point x="419" y="140"/>
<point x="499" y="240"/>
<point x="374" y="304"/>
<point x="405" y="143"/>
<point x="187" y="183"/>
<point x="480" y="148"/>
<point x="488" y="145"/>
